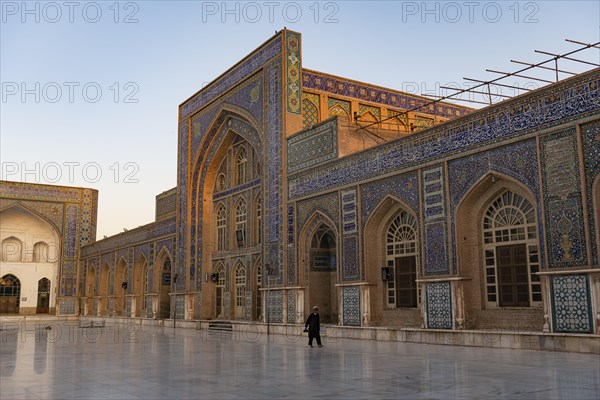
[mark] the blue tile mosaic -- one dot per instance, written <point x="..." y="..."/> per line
<point x="312" y="146"/>
<point x="571" y="304"/>
<point x="515" y="118"/>
<point x="351" y="306"/>
<point x="436" y="249"/>
<point x="234" y="77"/>
<point x="405" y="187"/>
<point x="563" y="210"/>
<point x="517" y="161"/>
<point x="591" y="156"/>
<point x="327" y="204"/>
<point x="438" y="303"/>
<point x="275" y="306"/>
<point x="349" y="202"/>
<point x="335" y="85"/>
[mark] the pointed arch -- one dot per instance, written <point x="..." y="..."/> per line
<point x="239" y="281"/>
<point x="103" y="289"/>
<point x="43" y="296"/>
<point x="12" y="249"/>
<point x="18" y="205"/>
<point x="162" y="281"/>
<point x="120" y="285"/>
<point x="241" y="165"/>
<point x="41" y="252"/>
<point x="310" y="228"/>
<point x="339" y="111"/>
<point x="391" y="239"/>
<point x="241" y="216"/>
<point x="258" y="218"/>
<point x="229" y="131"/>
<point x="481" y="255"/>
<point x="90" y="289"/>
<point x="221" y="226"/>
<point x="258" y="283"/>
<point x="220" y="286"/>
<point x="10" y="294"/>
<point x="368" y="117"/>
<point x="140" y="284"/>
<point x="220" y="136"/>
<point x="319" y="272"/>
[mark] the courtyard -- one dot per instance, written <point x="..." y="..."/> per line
<point x="67" y="360"/>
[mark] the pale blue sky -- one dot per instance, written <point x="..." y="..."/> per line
<point x="175" y="48"/>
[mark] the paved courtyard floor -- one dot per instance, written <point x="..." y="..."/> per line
<point x="134" y="362"/>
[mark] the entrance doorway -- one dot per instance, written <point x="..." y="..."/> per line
<point x="165" y="288"/>
<point x="10" y="293"/>
<point x="43" y="300"/>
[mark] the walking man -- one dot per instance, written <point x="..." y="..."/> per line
<point x="313" y="325"/>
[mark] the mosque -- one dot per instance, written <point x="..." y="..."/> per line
<point x="298" y="188"/>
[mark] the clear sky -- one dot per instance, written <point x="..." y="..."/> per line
<point x="90" y="90"/>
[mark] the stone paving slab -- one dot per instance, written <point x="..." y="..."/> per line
<point x="141" y="362"/>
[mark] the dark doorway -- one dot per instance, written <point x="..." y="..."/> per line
<point x="513" y="277"/>
<point x="406" y="281"/>
<point x="43" y="300"/>
<point x="165" y="289"/>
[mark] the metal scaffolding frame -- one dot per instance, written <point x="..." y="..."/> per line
<point x="488" y="84"/>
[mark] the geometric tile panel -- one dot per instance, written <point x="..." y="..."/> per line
<point x="291" y="307"/>
<point x="67" y="306"/>
<point x="438" y="303"/>
<point x="312" y="146"/>
<point x="351" y="306"/>
<point x="128" y="307"/>
<point x="149" y="307"/>
<point x="275" y="306"/>
<point x="180" y="306"/>
<point x="111" y="306"/>
<point x="571" y="304"/>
